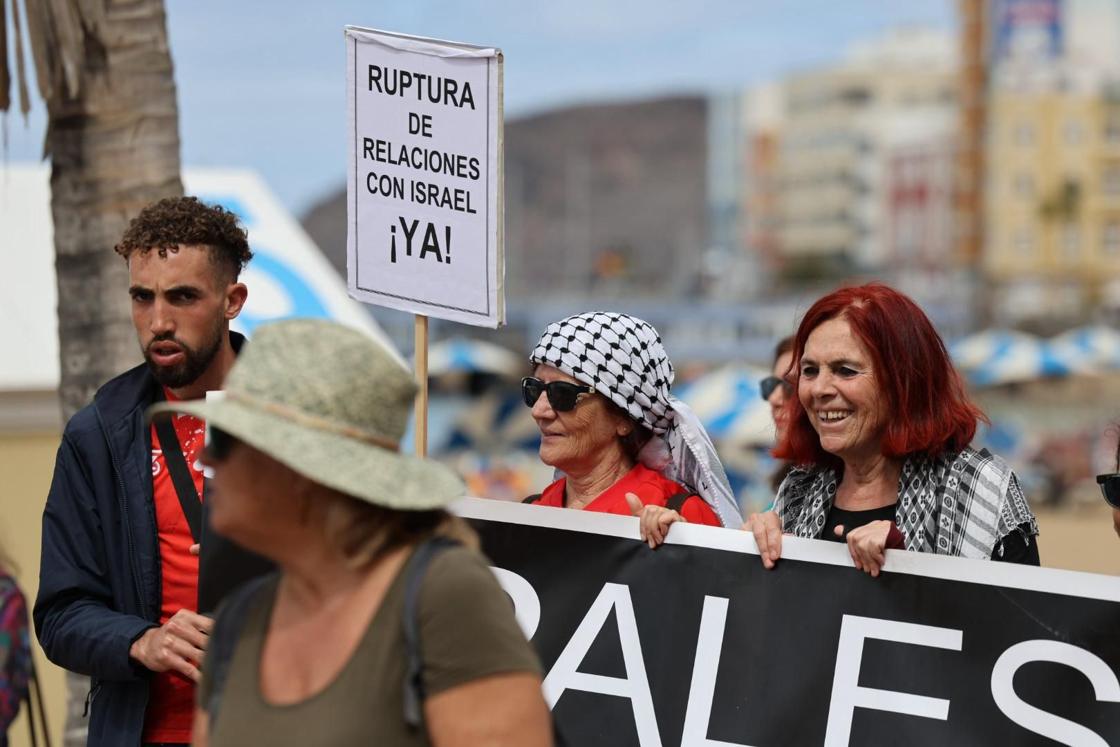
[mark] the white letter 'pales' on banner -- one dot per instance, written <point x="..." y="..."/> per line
<point x="635" y="686"/>
<point x="847" y="694"/>
<point x="709" y="645"/>
<point x="1104" y="682"/>
<point x="526" y="603"/>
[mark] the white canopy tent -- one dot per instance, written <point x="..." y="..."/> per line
<point x="288" y="277"/>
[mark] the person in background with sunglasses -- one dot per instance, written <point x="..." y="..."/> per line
<point x="1110" y="489"/>
<point x="776" y="389"/>
<point x="600" y="396"/>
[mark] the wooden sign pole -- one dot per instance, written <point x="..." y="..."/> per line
<point x="421" y="357"/>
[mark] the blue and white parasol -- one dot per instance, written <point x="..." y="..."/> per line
<point x="462" y="355"/>
<point x="728" y="403"/>
<point x="995" y="357"/>
<point x="1094" y="348"/>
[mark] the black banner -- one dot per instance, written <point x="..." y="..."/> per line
<point x="695" y="644"/>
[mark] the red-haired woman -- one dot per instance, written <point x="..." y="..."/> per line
<point x="880" y="430"/>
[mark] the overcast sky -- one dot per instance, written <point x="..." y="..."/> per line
<point x="262" y="84"/>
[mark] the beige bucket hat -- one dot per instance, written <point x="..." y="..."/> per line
<point x="332" y="404"/>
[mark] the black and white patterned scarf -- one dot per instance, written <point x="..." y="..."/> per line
<point x="621" y="357"/>
<point x="956" y="504"/>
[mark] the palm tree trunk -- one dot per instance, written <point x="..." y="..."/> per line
<point x="104" y="70"/>
<point x="114" y="147"/>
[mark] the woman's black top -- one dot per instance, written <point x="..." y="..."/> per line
<point x="1015" y="547"/>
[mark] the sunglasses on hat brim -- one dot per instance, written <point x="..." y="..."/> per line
<point x="562" y="395"/>
<point x="767" y="386"/>
<point x="1110" y="488"/>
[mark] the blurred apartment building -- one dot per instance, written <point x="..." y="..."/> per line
<point x="1052" y="187"/>
<point x="853" y="173"/>
<point x="763" y="110"/>
<point x="863" y="164"/>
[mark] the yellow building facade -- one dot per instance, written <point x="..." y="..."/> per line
<point x="1052" y="202"/>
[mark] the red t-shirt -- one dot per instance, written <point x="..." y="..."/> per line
<point x="171" y="695"/>
<point x="651" y="487"/>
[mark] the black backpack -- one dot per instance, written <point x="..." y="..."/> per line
<point x="236" y="608"/>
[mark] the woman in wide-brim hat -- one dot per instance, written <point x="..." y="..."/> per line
<point x="304" y="447"/>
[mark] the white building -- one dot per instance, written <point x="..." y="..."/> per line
<point x="839" y="126"/>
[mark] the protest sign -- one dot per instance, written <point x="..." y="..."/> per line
<point x="424" y="191"/>
<point x="695" y="644"/>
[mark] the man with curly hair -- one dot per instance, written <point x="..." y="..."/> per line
<point x="118" y="586"/>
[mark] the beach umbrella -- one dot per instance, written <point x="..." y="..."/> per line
<point x="462" y="355"/>
<point x="978" y="349"/>
<point x="995" y="357"/>
<point x="1092" y="348"/>
<point x="728" y="403"/>
<point x="496" y="422"/>
<point x="444" y="414"/>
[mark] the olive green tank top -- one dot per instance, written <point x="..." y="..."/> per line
<point x="467" y="631"/>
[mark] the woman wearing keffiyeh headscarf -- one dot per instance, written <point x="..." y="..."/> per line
<point x="600" y="395"/>
<point x="880" y="430"/>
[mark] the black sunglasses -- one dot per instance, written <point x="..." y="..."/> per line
<point x="219" y="446"/>
<point x="767" y="386"/>
<point x="562" y="395"/>
<point x="1110" y="488"/>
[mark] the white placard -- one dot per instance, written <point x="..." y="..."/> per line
<point x="424" y="193"/>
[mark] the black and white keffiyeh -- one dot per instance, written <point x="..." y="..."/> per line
<point x="956" y="504"/>
<point x="621" y="357"/>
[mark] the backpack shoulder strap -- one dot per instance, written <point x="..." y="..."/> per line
<point x="414" y="578"/>
<point x="180" y="475"/>
<point x="224" y="639"/>
<point x="531" y="498"/>
<point x="676" y="502"/>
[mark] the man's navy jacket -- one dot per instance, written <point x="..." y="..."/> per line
<point x="99" y="578"/>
